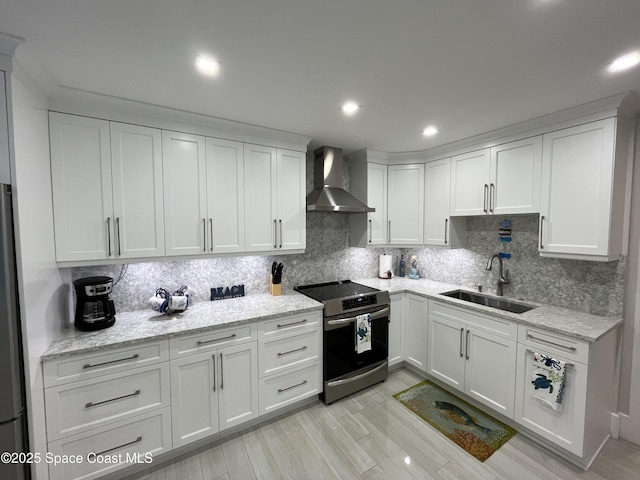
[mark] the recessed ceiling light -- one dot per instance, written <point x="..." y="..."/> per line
<point x="625" y="62"/>
<point x="430" y="131"/>
<point x="207" y="65"/>
<point x="350" y="108"/>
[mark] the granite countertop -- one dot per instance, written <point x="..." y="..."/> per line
<point x="146" y="325"/>
<point x="574" y="323"/>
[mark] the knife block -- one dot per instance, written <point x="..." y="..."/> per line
<point x="275" y="289"/>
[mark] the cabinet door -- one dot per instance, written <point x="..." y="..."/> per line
<point x="415" y="331"/>
<point x="225" y="196"/>
<point x="565" y="427"/>
<point x="437" y="188"/>
<point x="516" y="172"/>
<point x="238" y="384"/>
<point x="446" y="351"/>
<point x="292" y="207"/>
<point x="184" y="193"/>
<point x="490" y="370"/>
<point x="470" y="183"/>
<point x="406" y="204"/>
<point x="577" y="176"/>
<point x="377" y="228"/>
<point x="260" y="198"/>
<point x="136" y="155"/>
<point x="194" y="398"/>
<point x="396" y="329"/>
<point x="82" y="190"/>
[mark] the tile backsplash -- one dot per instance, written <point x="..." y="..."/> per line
<point x="588" y="286"/>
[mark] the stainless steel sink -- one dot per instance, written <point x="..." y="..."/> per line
<point x="493" y="302"/>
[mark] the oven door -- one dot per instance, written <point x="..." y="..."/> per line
<point x="340" y="356"/>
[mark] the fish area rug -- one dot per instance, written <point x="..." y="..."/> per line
<point x="476" y="432"/>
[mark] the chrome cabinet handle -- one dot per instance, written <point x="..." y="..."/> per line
<point x="461" y="335"/>
<point x="484" y="203"/>
<point x="292" y="323"/>
<point x="204" y="234"/>
<point x="275" y="234"/>
<point x="280" y="390"/>
<point x="541" y="224"/>
<point x="109" y="234"/>
<point x="211" y="231"/>
<point x="301" y="349"/>
<point x="205" y="342"/>
<point x="466" y="346"/>
<point x="118" y="236"/>
<point x="93" y="365"/>
<point x="446" y="228"/>
<point x="92" y="404"/>
<point x="137" y="440"/>
<point x="531" y="337"/>
<point x="370" y="231"/>
<point x="214" y="371"/>
<point x="492" y="193"/>
<point x="221" y="374"/>
<point x="389" y="232"/>
<point x="280" y="233"/>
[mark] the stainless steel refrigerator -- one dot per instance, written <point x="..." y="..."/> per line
<point x="13" y="416"/>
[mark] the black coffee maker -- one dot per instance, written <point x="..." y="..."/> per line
<point x="94" y="308"/>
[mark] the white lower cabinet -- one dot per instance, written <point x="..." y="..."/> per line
<point x="213" y="390"/>
<point x="415" y="331"/>
<point x="290" y="360"/>
<point x="396" y="328"/>
<point x="473" y="353"/>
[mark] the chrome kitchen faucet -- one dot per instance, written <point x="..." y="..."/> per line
<point x="503" y="278"/>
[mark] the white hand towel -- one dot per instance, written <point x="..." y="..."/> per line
<point x="363" y="333"/>
<point x="547" y="380"/>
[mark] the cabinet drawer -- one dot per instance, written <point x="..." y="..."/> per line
<point x="281" y="390"/>
<point x="107" y="449"/>
<point x="285" y="325"/>
<point x="81" y="367"/>
<point x="278" y="354"/>
<point x="555" y="344"/>
<point x="494" y="325"/>
<point x="77" y="407"/>
<point x="205" y="342"/>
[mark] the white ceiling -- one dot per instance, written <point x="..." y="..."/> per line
<point x="466" y="66"/>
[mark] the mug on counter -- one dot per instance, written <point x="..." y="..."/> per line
<point x="177" y="303"/>
<point x="158" y="304"/>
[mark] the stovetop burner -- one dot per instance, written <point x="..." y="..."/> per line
<point x="333" y="290"/>
<point x="345" y="297"/>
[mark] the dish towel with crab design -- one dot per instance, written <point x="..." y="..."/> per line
<point x="547" y="382"/>
<point x="363" y="333"/>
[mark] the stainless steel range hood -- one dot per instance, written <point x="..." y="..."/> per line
<point x="328" y="194"/>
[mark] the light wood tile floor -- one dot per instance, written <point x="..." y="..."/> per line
<point x="371" y="436"/>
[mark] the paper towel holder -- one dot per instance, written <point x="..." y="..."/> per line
<point x="385" y="270"/>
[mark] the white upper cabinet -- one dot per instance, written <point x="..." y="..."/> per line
<point x="500" y="180"/>
<point x="516" y="172"/>
<point x="376" y="198"/>
<point x="583" y="191"/>
<point x="274" y="199"/>
<point x="470" y="183"/>
<point x="406" y="204"/>
<point x="185" y="198"/>
<point x="82" y="191"/>
<point x="136" y="165"/>
<point x="225" y="196"/>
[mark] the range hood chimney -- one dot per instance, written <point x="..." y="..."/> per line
<point x="328" y="194"/>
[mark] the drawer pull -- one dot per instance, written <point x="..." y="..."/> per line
<point x="292" y="323"/>
<point x="91" y="404"/>
<point x="137" y="440"/>
<point x="280" y="390"/>
<point x="199" y="342"/>
<point x="533" y="353"/>
<point x="89" y="365"/>
<point x="531" y="337"/>
<point x="292" y="351"/>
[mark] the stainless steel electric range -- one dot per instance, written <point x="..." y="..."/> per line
<point x="345" y="370"/>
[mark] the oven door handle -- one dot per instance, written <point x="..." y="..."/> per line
<point x="357" y="377"/>
<point x="378" y="314"/>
